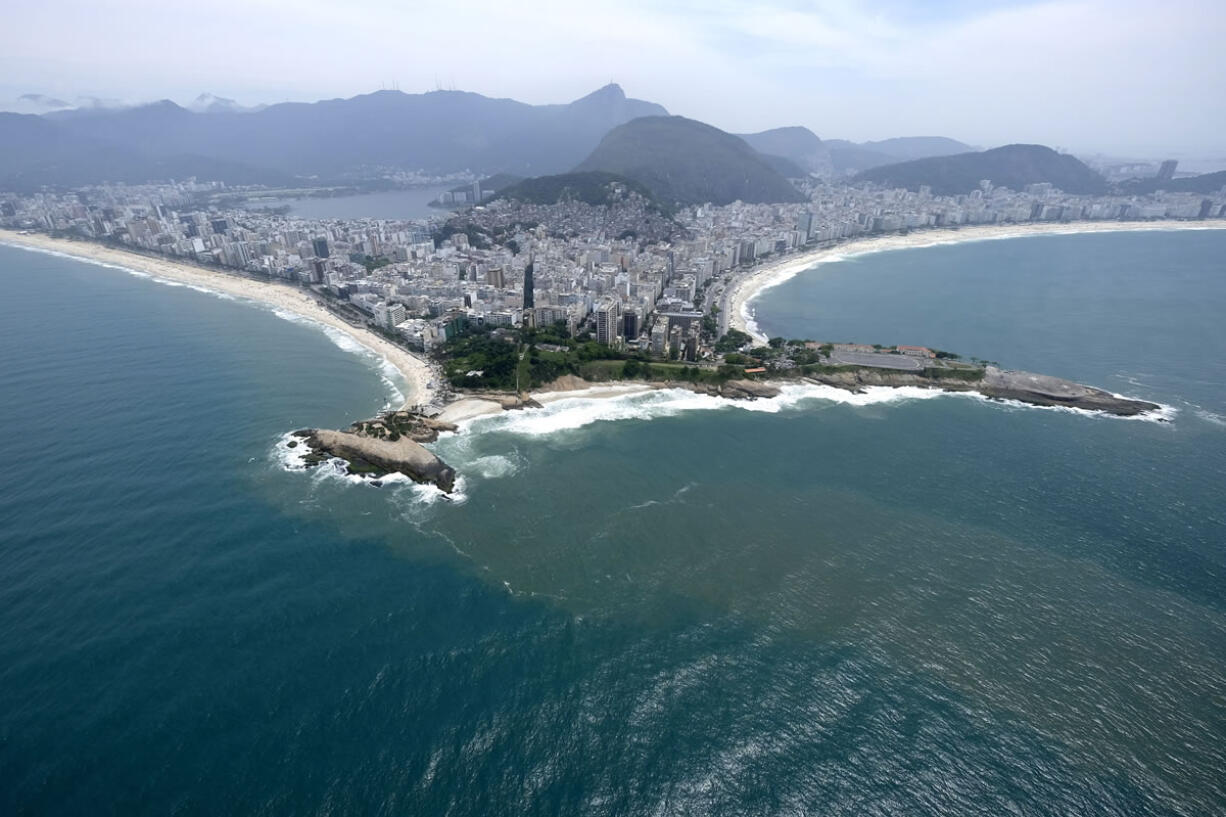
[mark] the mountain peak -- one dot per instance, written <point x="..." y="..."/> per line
<point x="1012" y="166"/>
<point x="609" y="93"/>
<point x="685" y="161"/>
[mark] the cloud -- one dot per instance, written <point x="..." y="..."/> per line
<point x="1080" y="74"/>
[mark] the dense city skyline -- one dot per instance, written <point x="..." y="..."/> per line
<point x="1047" y="73"/>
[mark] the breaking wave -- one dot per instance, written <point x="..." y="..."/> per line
<point x="574" y="413"/>
<point x="1164" y="414"/>
<point x="169" y="282"/>
<point x="571" y="414"/>
<point x="292" y="458"/>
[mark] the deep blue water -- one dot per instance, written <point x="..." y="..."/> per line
<point x="935" y="606"/>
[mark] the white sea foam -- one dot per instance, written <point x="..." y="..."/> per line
<point x="569" y="415"/>
<point x="426" y="494"/>
<point x="565" y="415"/>
<point x="291" y="458"/>
<point x="168" y="282"/>
<point x="1211" y="417"/>
<point x="336" y="470"/>
<point x="1163" y="414"/>
<point x="493" y="466"/>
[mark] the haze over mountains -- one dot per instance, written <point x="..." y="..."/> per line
<point x="838" y="157"/>
<point x="442" y="132"/>
<point x="688" y="162"/>
<point x="1012" y="166"/>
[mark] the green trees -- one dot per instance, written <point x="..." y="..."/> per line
<point x="732" y="340"/>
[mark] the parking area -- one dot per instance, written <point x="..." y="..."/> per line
<point x="878" y="361"/>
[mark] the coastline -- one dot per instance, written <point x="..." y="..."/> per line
<point x="746" y="287"/>
<point x="415" y="372"/>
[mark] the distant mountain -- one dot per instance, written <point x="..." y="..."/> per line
<point x="785" y="167"/>
<point x="1012" y="166"/>
<point x="688" y="162"/>
<point x="839" y="157"/>
<point x="851" y="157"/>
<point x="211" y="103"/>
<point x="907" y="148"/>
<point x="1205" y="183"/>
<point x="35" y="152"/>
<point x="441" y="131"/>
<point x="593" y="186"/>
<point x="798" y="144"/>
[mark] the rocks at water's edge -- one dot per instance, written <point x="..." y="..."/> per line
<point x="1042" y="390"/>
<point x="392" y="443"/>
<point x="999" y="384"/>
<point x="378" y="456"/>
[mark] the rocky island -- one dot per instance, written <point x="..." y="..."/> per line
<point x="389" y="444"/>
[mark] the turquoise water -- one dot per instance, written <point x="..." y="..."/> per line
<point x="816" y="604"/>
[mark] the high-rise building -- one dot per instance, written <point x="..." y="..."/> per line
<point x="804" y="225"/>
<point x="659" y="337"/>
<point x="608" y="322"/>
<point x="1167" y="170"/>
<point x="529" y="296"/>
<point x="630" y="324"/>
<point x="320" y="245"/>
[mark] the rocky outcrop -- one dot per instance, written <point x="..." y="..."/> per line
<point x="396" y="424"/>
<point x="378" y="457"/>
<point x="999" y="384"/>
<point x="1042" y="390"/>
<point x="748" y="389"/>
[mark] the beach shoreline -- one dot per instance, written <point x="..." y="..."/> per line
<point x="415" y="372"/>
<point x="746" y="287"/>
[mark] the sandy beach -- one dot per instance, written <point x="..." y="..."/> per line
<point x="746" y="286"/>
<point x="414" y="371"/>
<point x="567" y="388"/>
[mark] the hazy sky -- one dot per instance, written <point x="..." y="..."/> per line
<point x="1117" y="75"/>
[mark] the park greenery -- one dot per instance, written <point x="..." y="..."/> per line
<point x="500" y="358"/>
<point x="504" y="358"/>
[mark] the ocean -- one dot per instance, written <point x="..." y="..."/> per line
<point x="824" y="603"/>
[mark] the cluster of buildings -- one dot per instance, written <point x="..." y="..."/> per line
<point x="630" y="276"/>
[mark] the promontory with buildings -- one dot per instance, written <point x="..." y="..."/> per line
<point x="594" y="275"/>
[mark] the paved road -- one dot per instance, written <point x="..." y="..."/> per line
<point x="879" y="361"/>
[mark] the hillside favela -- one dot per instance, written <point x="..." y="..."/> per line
<point x="535" y="449"/>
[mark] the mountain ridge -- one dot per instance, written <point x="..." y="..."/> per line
<point x="1012" y="166"/>
<point x="683" y="161"/>
<point x="438" y="131"/>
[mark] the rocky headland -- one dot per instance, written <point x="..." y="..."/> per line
<point x="386" y="445"/>
<point x="394" y="442"/>
<point x="996" y="383"/>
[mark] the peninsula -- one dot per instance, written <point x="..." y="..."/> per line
<point x="483" y="368"/>
<point x="575" y="280"/>
<point x="393" y="442"/>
